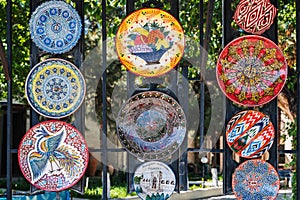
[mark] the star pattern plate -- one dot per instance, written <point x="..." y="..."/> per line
<point x="55" y="88"/>
<point x="251" y="70"/>
<point x="53" y="155"/>
<point x="55" y="27"/>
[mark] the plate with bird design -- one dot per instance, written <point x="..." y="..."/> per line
<point x="53" y="155"/>
<point x="150" y="42"/>
<point x="55" y="88"/>
<point x="55" y="27"/>
<point x="251" y="70"/>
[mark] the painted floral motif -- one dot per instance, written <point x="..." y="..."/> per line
<point x="150" y="42"/>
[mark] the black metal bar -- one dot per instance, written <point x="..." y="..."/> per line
<point x="9" y="102"/>
<point x="298" y="96"/>
<point x="104" y="104"/>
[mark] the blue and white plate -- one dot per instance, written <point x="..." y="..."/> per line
<point x="55" y="27"/>
<point x="55" y="88"/>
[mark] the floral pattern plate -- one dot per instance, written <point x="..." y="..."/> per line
<point x="251" y="70"/>
<point x="255" y="16"/>
<point x="55" y="88"/>
<point x="55" y="27"/>
<point x="53" y="155"/>
<point x="150" y="42"/>
<point x="154" y="180"/>
<point x="151" y="125"/>
<point x="255" y="179"/>
<point x="250" y="133"/>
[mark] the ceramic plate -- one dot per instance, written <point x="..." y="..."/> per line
<point x="255" y="179"/>
<point x="154" y="180"/>
<point x="251" y="70"/>
<point x="250" y="133"/>
<point x="255" y="16"/>
<point x="55" y="27"/>
<point x="53" y="155"/>
<point x="151" y="125"/>
<point x="55" y="88"/>
<point x="150" y="42"/>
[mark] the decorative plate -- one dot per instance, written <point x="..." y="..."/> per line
<point x="255" y="16"/>
<point x="55" y="27"/>
<point x="150" y="42"/>
<point x="151" y="125"/>
<point x="250" y="133"/>
<point x="55" y="88"/>
<point x="53" y="155"/>
<point x="154" y="180"/>
<point x="255" y="179"/>
<point x="251" y="70"/>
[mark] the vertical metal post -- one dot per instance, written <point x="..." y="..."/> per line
<point x="9" y="101"/>
<point x="104" y="104"/>
<point x="298" y="97"/>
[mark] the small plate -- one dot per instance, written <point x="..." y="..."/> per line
<point x="151" y="125"/>
<point x="250" y="133"/>
<point x="53" y="155"/>
<point x="255" y="179"/>
<point x="55" y="88"/>
<point x="55" y="27"/>
<point x="154" y="180"/>
<point x="251" y="70"/>
<point x="255" y="16"/>
<point x="150" y="42"/>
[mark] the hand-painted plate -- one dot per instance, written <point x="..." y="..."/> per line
<point x="55" y="27"/>
<point x="53" y="155"/>
<point x="154" y="180"/>
<point x="255" y="179"/>
<point x="255" y="16"/>
<point x="150" y="42"/>
<point x="251" y="70"/>
<point x="250" y="133"/>
<point x="55" y="88"/>
<point x="151" y="125"/>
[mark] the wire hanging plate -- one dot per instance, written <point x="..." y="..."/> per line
<point x="255" y="179"/>
<point x="154" y="180"/>
<point x="55" y="27"/>
<point x="251" y="70"/>
<point x="250" y="133"/>
<point x="55" y="88"/>
<point x="255" y="16"/>
<point x="53" y="155"/>
<point x="150" y="42"/>
<point x="151" y="125"/>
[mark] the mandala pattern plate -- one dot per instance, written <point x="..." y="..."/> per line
<point x="255" y="16"/>
<point x="255" y="179"/>
<point x="251" y="70"/>
<point x="55" y="27"/>
<point x="53" y="155"/>
<point x="154" y="180"/>
<point x="55" y="88"/>
<point x="150" y="42"/>
<point x="151" y="125"/>
<point x="250" y="133"/>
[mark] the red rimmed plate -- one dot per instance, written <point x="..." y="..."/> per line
<point x="151" y="125"/>
<point x="154" y="180"/>
<point x="150" y="42"/>
<point x="255" y="179"/>
<point x="251" y="70"/>
<point x="255" y="16"/>
<point x="53" y="155"/>
<point x="250" y="133"/>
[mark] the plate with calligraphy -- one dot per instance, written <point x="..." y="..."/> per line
<point x="251" y="70"/>
<point x="150" y="42"/>
<point x="151" y="125"/>
<point x="55" y="88"/>
<point x="53" y="155"/>
<point x="255" y="179"/>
